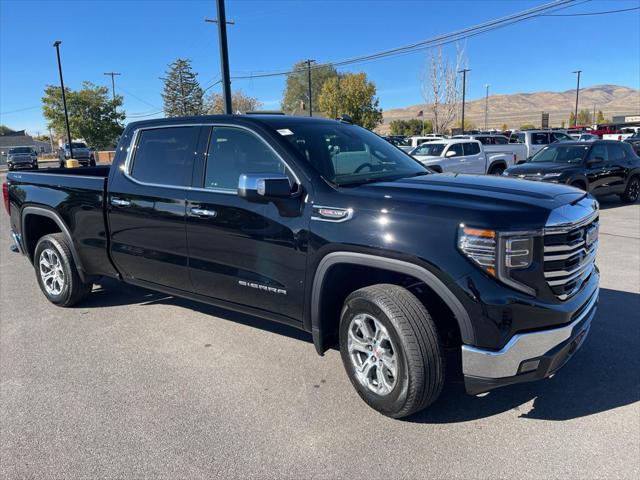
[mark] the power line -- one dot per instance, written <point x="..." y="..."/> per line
<point x="588" y="13"/>
<point x="20" y="110"/>
<point x="429" y="43"/>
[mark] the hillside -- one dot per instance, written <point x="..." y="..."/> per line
<point x="519" y="108"/>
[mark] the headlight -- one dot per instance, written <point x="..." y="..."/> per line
<point x="498" y="253"/>
<point x="551" y="175"/>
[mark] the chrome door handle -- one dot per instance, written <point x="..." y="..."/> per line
<point x="201" y="212"/>
<point x="119" y="202"/>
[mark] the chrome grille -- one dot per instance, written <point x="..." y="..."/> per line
<point x="570" y="254"/>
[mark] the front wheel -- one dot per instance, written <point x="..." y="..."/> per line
<point x="632" y="191"/>
<point x="496" y="170"/>
<point x="57" y="272"/>
<point x="391" y="350"/>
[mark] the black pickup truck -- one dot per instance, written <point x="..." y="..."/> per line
<point x="325" y="226"/>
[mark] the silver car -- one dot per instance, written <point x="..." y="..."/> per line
<point x="22" y="157"/>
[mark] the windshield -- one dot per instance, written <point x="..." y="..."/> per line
<point x="19" y="150"/>
<point x="429" y="149"/>
<point x="561" y="154"/>
<point x="79" y="145"/>
<point x="348" y="154"/>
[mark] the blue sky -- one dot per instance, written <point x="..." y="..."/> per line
<point x="139" y="39"/>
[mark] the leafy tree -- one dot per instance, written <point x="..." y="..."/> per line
<point x="410" y="127"/>
<point x="182" y="94"/>
<point x="527" y="126"/>
<point x="353" y="95"/>
<point x="504" y="127"/>
<point x="214" y="104"/>
<point x="584" y="117"/>
<point x="296" y="92"/>
<point x="4" y="130"/>
<point x="93" y="115"/>
<point x="600" y="117"/>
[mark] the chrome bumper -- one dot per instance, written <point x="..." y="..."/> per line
<point x="490" y="364"/>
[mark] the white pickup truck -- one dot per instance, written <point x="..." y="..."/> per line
<point x="535" y="140"/>
<point x="492" y="143"/>
<point x="459" y="155"/>
<point x="625" y="133"/>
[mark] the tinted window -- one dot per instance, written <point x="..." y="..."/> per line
<point x="232" y="152"/>
<point x="471" y="148"/>
<point x="599" y="151"/>
<point x="539" y="138"/>
<point x="616" y="153"/>
<point x="484" y="140"/>
<point x="561" y="154"/>
<point x="500" y="140"/>
<point x="164" y="156"/>
<point x="347" y="154"/>
<point x="457" y="149"/>
<point x="19" y="150"/>
<point x="517" y="138"/>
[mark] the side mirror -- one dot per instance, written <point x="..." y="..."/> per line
<point x="263" y="186"/>
<point x="595" y="160"/>
<point x="450" y="153"/>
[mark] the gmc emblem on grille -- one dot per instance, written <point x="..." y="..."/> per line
<point x="591" y="235"/>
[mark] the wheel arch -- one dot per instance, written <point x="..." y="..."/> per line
<point x="494" y="163"/>
<point x="34" y="211"/>
<point x="318" y="322"/>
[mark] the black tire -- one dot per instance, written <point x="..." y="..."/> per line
<point x="62" y="165"/>
<point x="73" y="288"/>
<point x="497" y="170"/>
<point x="418" y="353"/>
<point x="632" y="192"/>
<point x="92" y="162"/>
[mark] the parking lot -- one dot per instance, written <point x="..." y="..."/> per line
<point x="134" y="384"/>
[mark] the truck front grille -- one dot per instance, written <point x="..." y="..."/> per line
<point x="569" y="255"/>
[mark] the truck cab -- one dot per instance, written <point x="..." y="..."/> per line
<point x="462" y="155"/>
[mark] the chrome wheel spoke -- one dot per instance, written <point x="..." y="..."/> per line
<point x="51" y="272"/>
<point x="357" y="344"/>
<point x="389" y="362"/>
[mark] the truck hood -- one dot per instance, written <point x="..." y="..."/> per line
<point x="20" y="157"/>
<point x="540" y="168"/>
<point x="498" y="201"/>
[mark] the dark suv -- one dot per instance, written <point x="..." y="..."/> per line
<point x="603" y="167"/>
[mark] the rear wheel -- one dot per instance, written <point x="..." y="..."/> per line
<point x="57" y="272"/>
<point x="496" y="170"/>
<point x="632" y="191"/>
<point x="391" y="350"/>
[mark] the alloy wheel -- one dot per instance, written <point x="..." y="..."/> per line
<point x="51" y="272"/>
<point x="372" y="354"/>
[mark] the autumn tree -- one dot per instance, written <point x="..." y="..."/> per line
<point x="182" y="94"/>
<point x="351" y="94"/>
<point x="93" y="114"/>
<point x="584" y="117"/>
<point x="214" y="104"/>
<point x="504" y="127"/>
<point x="296" y="92"/>
<point x="527" y="126"/>
<point x="600" y="117"/>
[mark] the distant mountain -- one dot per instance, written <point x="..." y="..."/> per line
<point x="520" y="108"/>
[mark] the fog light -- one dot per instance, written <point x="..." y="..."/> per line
<point x="529" y="366"/>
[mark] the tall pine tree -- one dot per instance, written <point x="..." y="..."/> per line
<point x="182" y="94"/>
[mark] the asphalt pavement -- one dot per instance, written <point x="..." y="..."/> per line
<point x="135" y="384"/>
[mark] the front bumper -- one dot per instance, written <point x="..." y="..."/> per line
<point x="527" y="356"/>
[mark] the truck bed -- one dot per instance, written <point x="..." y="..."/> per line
<point x="76" y="197"/>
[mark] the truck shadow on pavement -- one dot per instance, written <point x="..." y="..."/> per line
<point x="604" y="374"/>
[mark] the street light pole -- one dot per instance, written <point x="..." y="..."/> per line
<point x="309" y="86"/>
<point x="464" y="91"/>
<point x="56" y="44"/>
<point x="224" y="55"/>
<point x="575" y="115"/>
<point x="113" y="83"/>
<point x="486" y="107"/>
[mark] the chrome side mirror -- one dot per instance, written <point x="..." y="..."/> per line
<point x="263" y="186"/>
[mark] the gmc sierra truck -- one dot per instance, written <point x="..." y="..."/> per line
<point x="325" y="226"/>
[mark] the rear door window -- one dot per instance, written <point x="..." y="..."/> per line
<point x="541" y="138"/>
<point x="616" y="153"/>
<point x="471" y="148"/>
<point x="500" y="140"/>
<point x="164" y="156"/>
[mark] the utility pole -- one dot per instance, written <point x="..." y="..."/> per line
<point x="575" y="118"/>
<point x="593" y="120"/>
<point x="51" y="139"/>
<point x="309" y="86"/>
<point x="56" y="44"/>
<point x="224" y="54"/>
<point x="464" y="91"/>
<point x="113" y="83"/>
<point x="486" y="107"/>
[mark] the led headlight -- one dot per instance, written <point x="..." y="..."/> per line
<point x="498" y="253"/>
